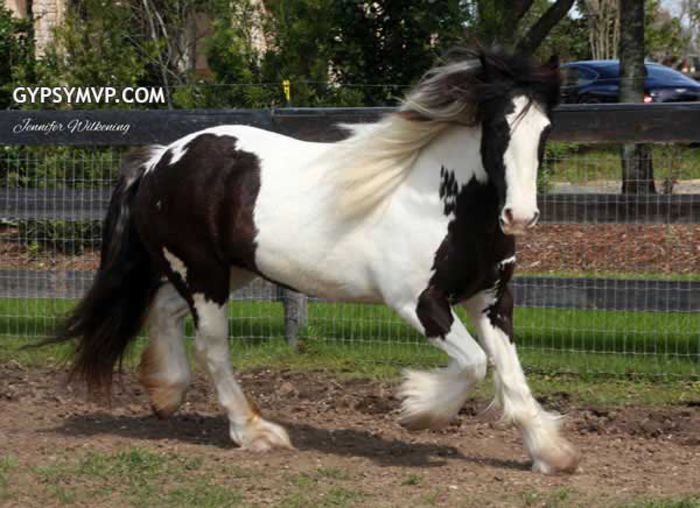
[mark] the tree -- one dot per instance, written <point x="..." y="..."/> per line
<point x="390" y="43"/>
<point x="501" y="21"/>
<point x="664" y="36"/>
<point x="637" y="171"/>
<point x="604" y="27"/>
<point x="690" y="18"/>
<point x="16" y="53"/>
<point x="568" y="39"/>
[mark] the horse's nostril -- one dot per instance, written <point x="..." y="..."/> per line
<point x="508" y="216"/>
<point x="534" y="219"/>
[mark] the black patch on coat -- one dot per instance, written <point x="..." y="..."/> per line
<point x="434" y="312"/>
<point x="495" y="138"/>
<point x="467" y="261"/>
<point x="449" y="188"/>
<point x="500" y="313"/>
<point x="201" y="210"/>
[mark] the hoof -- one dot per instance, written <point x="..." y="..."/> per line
<point x="413" y="419"/>
<point x="165" y="400"/>
<point x="163" y="413"/>
<point x="262" y="436"/>
<point x="563" y="459"/>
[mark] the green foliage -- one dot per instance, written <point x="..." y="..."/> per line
<point x="568" y="39"/>
<point x="53" y="167"/>
<point x="663" y="34"/>
<point x="59" y="236"/>
<point x="334" y="53"/>
<point x="95" y="46"/>
<point x="554" y="153"/>
<point x="16" y="53"/>
<point x="391" y="43"/>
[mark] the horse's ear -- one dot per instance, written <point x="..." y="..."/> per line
<point x="553" y="63"/>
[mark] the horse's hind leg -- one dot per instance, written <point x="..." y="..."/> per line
<point x="164" y="370"/>
<point x="209" y="295"/>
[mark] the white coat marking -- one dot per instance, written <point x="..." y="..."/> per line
<point x="520" y="158"/>
<point x="176" y="264"/>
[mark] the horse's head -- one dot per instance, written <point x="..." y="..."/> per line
<point x="512" y="145"/>
<point x="511" y="99"/>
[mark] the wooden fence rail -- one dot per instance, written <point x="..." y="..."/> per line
<point x="581" y="123"/>
<point x="91" y="204"/>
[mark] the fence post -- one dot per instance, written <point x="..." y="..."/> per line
<point x="294" y="314"/>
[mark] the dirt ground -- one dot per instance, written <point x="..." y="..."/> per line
<point x="346" y="434"/>
<point x="630" y="248"/>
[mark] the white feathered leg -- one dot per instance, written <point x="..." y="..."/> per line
<point x="247" y="427"/>
<point x="550" y="452"/>
<point x="431" y="399"/>
<point x="164" y="369"/>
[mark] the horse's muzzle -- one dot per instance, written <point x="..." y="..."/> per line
<point x="512" y="224"/>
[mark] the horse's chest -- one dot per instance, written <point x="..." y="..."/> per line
<point x="469" y="261"/>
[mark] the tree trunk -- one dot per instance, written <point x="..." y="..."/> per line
<point x="637" y="170"/>
<point x="603" y="28"/>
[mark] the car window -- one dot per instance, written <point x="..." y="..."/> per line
<point x="661" y="73"/>
<point x="576" y="76"/>
<point x="569" y="75"/>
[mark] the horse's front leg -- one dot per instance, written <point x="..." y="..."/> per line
<point x="492" y="314"/>
<point x="431" y="399"/>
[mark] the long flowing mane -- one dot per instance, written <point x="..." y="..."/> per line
<point x="376" y="159"/>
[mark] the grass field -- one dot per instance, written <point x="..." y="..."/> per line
<point x="102" y="468"/>
<point x="372" y="338"/>
<point x="139" y="476"/>
<point x="578" y="163"/>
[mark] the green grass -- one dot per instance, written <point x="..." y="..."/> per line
<point x="561" y="497"/>
<point x="692" y="501"/>
<point x="598" y="274"/>
<point x="7" y="464"/>
<point x="371" y="338"/>
<point x="661" y="350"/>
<point x="135" y="476"/>
<point x="579" y="164"/>
<point x="313" y="489"/>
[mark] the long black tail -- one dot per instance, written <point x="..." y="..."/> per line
<point x="113" y="311"/>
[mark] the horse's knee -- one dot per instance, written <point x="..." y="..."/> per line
<point x="477" y="370"/>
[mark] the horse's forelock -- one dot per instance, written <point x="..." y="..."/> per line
<point x="457" y="90"/>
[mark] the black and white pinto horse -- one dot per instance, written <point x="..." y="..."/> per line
<point x="418" y="211"/>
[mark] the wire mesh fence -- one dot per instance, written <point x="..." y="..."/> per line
<point x="601" y="287"/>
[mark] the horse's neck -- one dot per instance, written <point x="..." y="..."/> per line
<point x="457" y="150"/>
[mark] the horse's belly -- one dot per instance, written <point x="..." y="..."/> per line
<point x="326" y="273"/>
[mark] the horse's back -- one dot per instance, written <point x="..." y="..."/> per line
<point x="245" y="197"/>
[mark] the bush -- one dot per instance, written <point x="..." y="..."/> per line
<point x="554" y="152"/>
<point x="58" y="236"/>
<point x="16" y="53"/>
<point x="58" y="167"/>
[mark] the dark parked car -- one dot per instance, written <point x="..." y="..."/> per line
<point x="599" y="81"/>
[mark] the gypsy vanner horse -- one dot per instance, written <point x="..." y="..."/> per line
<point x="418" y="211"/>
